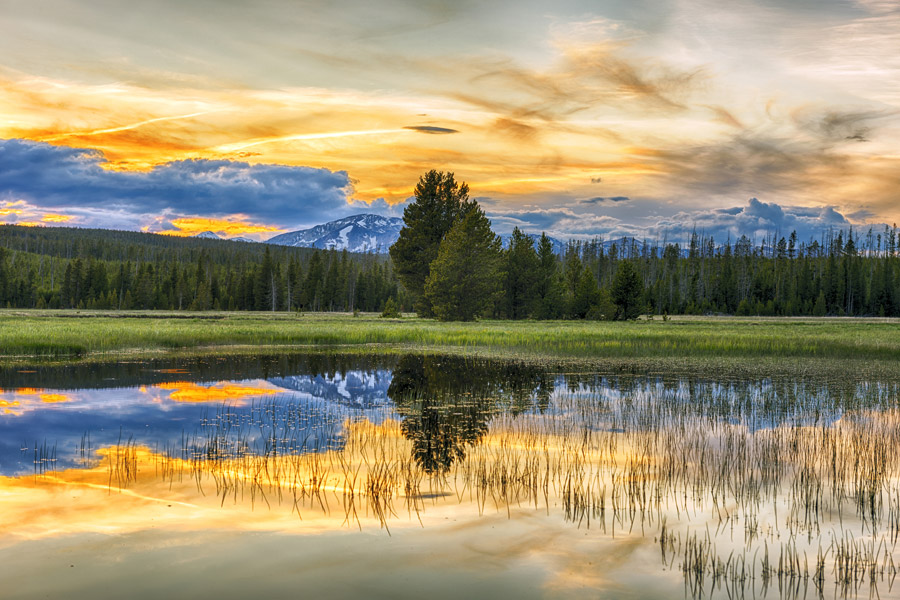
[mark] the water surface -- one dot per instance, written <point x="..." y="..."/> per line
<point x="433" y="475"/>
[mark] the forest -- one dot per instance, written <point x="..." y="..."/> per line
<point x="63" y="267"/>
<point x="842" y="274"/>
<point x="449" y="264"/>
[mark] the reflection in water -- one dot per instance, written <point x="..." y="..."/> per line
<point x="447" y="402"/>
<point x="741" y="488"/>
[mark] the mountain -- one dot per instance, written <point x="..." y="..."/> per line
<point x="209" y="235"/>
<point x="359" y="233"/>
<point x="364" y="390"/>
<point x="365" y="233"/>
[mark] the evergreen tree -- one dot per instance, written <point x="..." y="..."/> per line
<point x="550" y="301"/>
<point x="626" y="291"/>
<point x="587" y="294"/>
<point x="439" y="204"/>
<point x="520" y="276"/>
<point x="463" y="282"/>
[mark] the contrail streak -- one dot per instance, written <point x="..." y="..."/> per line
<point x="303" y="136"/>
<point x="62" y="136"/>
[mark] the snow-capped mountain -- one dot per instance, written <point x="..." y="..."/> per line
<point x="211" y="235"/>
<point x="359" y="233"/>
<point x="365" y="233"/>
<point x="362" y="390"/>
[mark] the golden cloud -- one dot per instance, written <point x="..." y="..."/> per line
<point x="188" y="226"/>
<point x="185" y="391"/>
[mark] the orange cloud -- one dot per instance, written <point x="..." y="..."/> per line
<point x="188" y="226"/>
<point x="185" y="391"/>
<point x="56" y="218"/>
<point x="20" y="401"/>
<point x="54" y="398"/>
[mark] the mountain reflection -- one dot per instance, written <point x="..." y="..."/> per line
<point x="303" y="403"/>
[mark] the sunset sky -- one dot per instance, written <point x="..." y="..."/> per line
<point x="579" y="118"/>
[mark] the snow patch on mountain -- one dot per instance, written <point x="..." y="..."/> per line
<point x="366" y="233"/>
<point x="359" y="233"/>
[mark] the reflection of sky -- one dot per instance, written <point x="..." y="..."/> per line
<point x="163" y="416"/>
<point x="306" y="412"/>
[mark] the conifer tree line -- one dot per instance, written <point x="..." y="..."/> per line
<point x="449" y="264"/>
<point x="453" y="267"/>
<point x="99" y="269"/>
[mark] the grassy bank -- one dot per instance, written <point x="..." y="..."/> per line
<point x="29" y="335"/>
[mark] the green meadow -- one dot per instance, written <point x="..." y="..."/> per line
<point x="27" y="336"/>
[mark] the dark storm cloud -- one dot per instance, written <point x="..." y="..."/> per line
<point x="59" y="177"/>
<point x="602" y="199"/>
<point x="431" y="129"/>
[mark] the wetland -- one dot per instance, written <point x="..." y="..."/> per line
<point x="406" y="474"/>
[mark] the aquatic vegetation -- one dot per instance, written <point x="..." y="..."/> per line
<point x="787" y="487"/>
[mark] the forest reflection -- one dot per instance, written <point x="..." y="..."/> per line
<point x="446" y="403"/>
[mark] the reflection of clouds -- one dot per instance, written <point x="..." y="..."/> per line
<point x="23" y="400"/>
<point x="18" y="402"/>
<point x="186" y="391"/>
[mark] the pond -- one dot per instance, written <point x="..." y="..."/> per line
<point x="425" y="475"/>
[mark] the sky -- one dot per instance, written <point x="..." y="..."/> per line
<point x="579" y="118"/>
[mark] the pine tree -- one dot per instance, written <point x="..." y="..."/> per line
<point x="586" y="294"/>
<point x="439" y="204"/>
<point x="550" y="302"/>
<point x="520" y="276"/>
<point x="463" y="281"/>
<point x="626" y="291"/>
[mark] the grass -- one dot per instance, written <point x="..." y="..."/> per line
<point x="29" y="335"/>
<point x="743" y="487"/>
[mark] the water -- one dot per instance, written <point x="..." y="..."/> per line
<point x="439" y="476"/>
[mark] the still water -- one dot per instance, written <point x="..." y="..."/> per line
<point x="439" y="476"/>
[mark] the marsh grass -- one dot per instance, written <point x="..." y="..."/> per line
<point x="789" y="489"/>
<point x="36" y="335"/>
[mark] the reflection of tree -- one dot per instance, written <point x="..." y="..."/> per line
<point x="447" y="402"/>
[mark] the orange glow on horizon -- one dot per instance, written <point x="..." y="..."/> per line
<point x="188" y="226"/>
<point x="57" y="218"/>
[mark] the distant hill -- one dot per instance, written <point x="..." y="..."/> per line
<point x="210" y="235"/>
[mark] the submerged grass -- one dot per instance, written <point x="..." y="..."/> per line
<point x="748" y="489"/>
<point x="26" y="335"/>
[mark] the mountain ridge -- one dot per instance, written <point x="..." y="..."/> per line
<point x="365" y="232"/>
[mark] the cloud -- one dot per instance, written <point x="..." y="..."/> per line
<point x="836" y="125"/>
<point x="60" y="177"/>
<point x="431" y="129"/>
<point x="381" y="206"/>
<point x="755" y="219"/>
<point x="602" y="199"/>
